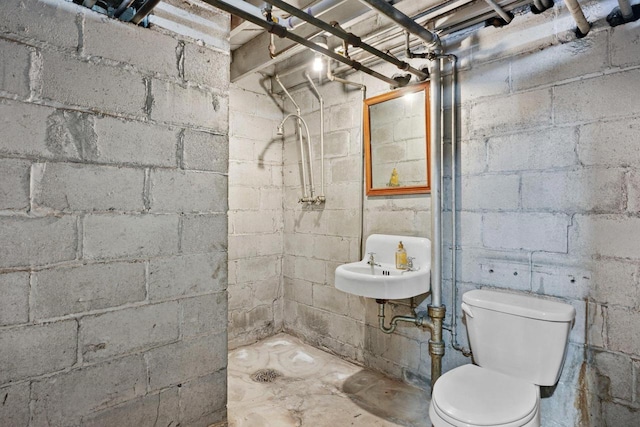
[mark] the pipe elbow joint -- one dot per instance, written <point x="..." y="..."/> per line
<point x="435" y="47"/>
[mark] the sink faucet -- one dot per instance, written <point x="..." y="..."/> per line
<point x="372" y="261"/>
<point x="410" y="265"/>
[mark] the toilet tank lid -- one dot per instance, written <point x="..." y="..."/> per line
<point x="520" y="305"/>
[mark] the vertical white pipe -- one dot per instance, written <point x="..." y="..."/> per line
<point x="363" y="91"/>
<point x="315" y="10"/>
<point x="321" y="197"/>
<point x="434" y="181"/>
<point x="625" y="9"/>
<point x="576" y="11"/>
<point x="453" y="195"/>
<point x="499" y="10"/>
<point x="454" y="207"/>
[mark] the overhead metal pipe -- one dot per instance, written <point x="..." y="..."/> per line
<point x="431" y="39"/>
<point x="315" y="10"/>
<point x="507" y="17"/>
<point x="576" y="11"/>
<point x="280" y="31"/>
<point x="247" y="7"/>
<point x="539" y="6"/>
<point x="350" y="38"/>
<point x="123" y="6"/>
<point x="144" y="10"/>
<point x="395" y="32"/>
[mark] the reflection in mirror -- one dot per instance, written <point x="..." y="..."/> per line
<point x="396" y="142"/>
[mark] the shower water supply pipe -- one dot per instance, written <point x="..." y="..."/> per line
<point x="305" y="199"/>
<point x="305" y="195"/>
<point x="319" y="199"/>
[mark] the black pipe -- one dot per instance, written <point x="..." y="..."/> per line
<point x="406" y="22"/>
<point x="282" y="32"/>
<point x="144" y="10"/>
<point x="350" y="38"/>
<point x="123" y="6"/>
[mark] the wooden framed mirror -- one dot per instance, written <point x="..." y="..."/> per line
<point x="396" y="142"/>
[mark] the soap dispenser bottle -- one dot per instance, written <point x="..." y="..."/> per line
<point x="401" y="257"/>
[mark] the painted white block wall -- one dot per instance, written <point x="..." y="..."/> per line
<point x="255" y="213"/>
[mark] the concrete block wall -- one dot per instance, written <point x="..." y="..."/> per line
<point x="113" y="228"/>
<point x="319" y="238"/>
<point x="540" y="211"/>
<point x="547" y="203"/>
<point x="255" y="213"/>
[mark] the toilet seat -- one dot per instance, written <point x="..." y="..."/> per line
<point x="470" y="396"/>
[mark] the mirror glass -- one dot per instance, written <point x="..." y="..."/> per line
<point x="396" y="141"/>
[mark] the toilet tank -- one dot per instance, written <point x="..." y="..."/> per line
<point x="519" y="335"/>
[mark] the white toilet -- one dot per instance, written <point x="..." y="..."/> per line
<point x="519" y="343"/>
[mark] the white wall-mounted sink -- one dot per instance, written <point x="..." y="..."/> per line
<point x="384" y="281"/>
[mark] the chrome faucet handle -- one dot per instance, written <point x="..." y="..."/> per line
<point x="410" y="265"/>
<point x="372" y="260"/>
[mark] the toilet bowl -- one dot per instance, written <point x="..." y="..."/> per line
<point x="471" y="396"/>
<point x="519" y="343"/>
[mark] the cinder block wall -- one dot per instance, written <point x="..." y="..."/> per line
<point x="548" y="204"/>
<point x="113" y="229"/>
<point x="255" y="213"/>
<point x="547" y="194"/>
<point x="319" y="238"/>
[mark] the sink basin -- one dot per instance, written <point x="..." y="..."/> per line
<point x="384" y="281"/>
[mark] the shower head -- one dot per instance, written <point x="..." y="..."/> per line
<point x="280" y="130"/>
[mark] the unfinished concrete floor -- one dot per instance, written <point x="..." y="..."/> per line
<point x="282" y="382"/>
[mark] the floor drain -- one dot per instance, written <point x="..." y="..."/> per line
<point x="265" y="375"/>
